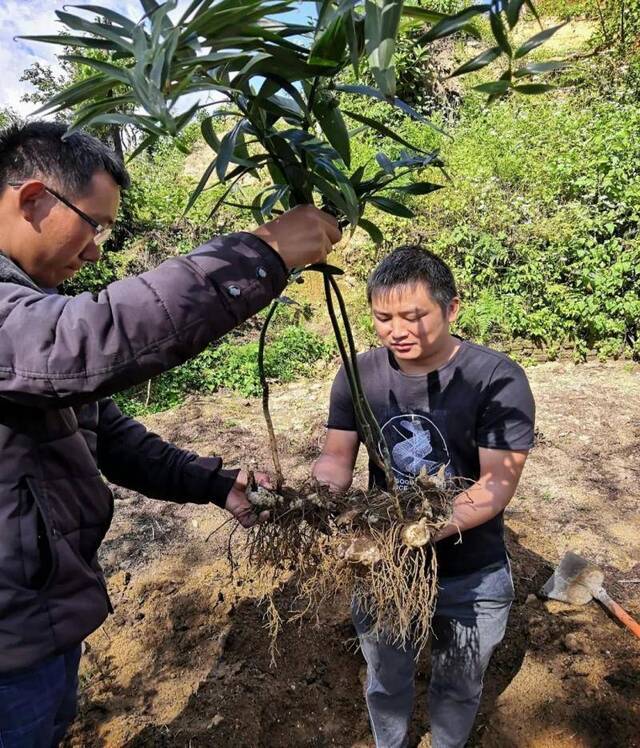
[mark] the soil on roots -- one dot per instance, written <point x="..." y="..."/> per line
<point x="373" y="546"/>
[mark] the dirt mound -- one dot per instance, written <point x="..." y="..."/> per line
<point x="185" y="659"/>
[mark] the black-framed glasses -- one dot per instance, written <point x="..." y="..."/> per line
<point x="102" y="233"/>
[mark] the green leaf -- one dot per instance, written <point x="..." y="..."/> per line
<point x="333" y="126"/>
<point x="279" y="191"/>
<point x="355" y="39"/>
<point x="382" y="129"/>
<point x="382" y="18"/>
<point x="537" y="40"/>
<point x="431" y="16"/>
<point x="539" y="68"/>
<point x="85" y="114"/>
<point x="385" y="163"/>
<point x="146" y="143"/>
<point x="499" y="33"/>
<point x="110" y="15"/>
<point x="420" y="188"/>
<point x="482" y="60"/>
<point x="371" y="229"/>
<point x="116" y="73"/>
<point x="423" y="14"/>
<point x="98" y="30"/>
<point x="494" y="87"/>
<point x="66" y="40"/>
<point x="227" y="148"/>
<point x="534" y="88"/>
<point x="90" y="88"/>
<point x="391" y="206"/>
<point x="513" y="12"/>
<point x="532" y="8"/>
<point x="200" y="186"/>
<point x="375" y="94"/>
<point x="451" y="24"/>
<point x="209" y="134"/>
<point x="329" y="48"/>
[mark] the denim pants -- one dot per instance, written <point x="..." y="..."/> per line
<point x="469" y="622"/>
<point x="38" y="705"/>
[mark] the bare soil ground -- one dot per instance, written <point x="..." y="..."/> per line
<point x="184" y="660"/>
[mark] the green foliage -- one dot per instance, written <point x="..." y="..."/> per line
<point x="277" y="79"/>
<point x="542" y="226"/>
<point x="290" y="354"/>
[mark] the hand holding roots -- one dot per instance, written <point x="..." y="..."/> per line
<point x="375" y="546"/>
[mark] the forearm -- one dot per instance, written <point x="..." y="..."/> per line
<point x="81" y="348"/>
<point x="333" y="472"/>
<point x="480" y="503"/>
<point x="135" y="458"/>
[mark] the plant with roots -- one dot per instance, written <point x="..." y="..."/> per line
<point x="273" y="106"/>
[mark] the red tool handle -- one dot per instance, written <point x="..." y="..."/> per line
<point x="619" y="612"/>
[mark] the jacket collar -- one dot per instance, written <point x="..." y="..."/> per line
<point x="11" y="273"/>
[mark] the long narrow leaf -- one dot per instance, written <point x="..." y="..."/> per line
<point x="330" y="46"/>
<point x="513" y="12"/>
<point x="98" y="30"/>
<point x="420" y="188"/>
<point x="481" y="61"/>
<point x="451" y="24"/>
<point x="371" y="229"/>
<point x="333" y="126"/>
<point x="403" y="106"/>
<point x="111" y="15"/>
<point x="499" y="33"/>
<point x="539" y="68"/>
<point x="118" y="74"/>
<point x="391" y="206"/>
<point x="200" y="186"/>
<point x="537" y="40"/>
<point x="67" y="40"/>
<point x="381" y="129"/>
<point x="534" y="88"/>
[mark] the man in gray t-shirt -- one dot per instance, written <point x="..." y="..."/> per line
<point x="440" y="401"/>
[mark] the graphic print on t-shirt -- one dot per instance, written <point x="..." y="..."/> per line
<point x="414" y="442"/>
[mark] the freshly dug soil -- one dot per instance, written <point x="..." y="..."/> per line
<point x="185" y="659"/>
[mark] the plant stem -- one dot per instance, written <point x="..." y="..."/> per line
<point x="273" y="444"/>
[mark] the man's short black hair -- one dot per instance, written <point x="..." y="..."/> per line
<point x="410" y="265"/>
<point x="40" y="150"/>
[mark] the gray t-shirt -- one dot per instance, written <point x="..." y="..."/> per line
<point x="480" y="398"/>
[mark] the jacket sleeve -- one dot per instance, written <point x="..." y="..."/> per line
<point x="133" y="457"/>
<point x="58" y="351"/>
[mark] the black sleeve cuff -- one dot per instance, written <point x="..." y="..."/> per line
<point x="222" y="483"/>
<point x="203" y="481"/>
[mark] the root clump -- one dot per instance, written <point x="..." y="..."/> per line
<point x="374" y="546"/>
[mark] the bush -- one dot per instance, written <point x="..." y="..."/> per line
<point x="290" y="353"/>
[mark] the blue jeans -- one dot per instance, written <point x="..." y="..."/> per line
<point x="469" y="622"/>
<point x="38" y="705"/>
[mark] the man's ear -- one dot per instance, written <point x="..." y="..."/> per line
<point x="453" y="309"/>
<point x="30" y="198"/>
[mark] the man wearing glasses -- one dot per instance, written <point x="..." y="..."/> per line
<point x="61" y="358"/>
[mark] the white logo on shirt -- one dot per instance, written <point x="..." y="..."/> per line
<point x="415" y="442"/>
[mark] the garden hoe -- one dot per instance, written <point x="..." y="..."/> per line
<point x="577" y="581"/>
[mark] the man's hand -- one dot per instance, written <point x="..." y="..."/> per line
<point x="239" y="505"/>
<point x="301" y="236"/>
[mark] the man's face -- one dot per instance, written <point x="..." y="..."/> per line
<point x="54" y="241"/>
<point x="410" y="323"/>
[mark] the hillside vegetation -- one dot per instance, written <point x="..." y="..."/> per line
<point x="538" y="214"/>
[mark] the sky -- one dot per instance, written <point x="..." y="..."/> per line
<point x="35" y="17"/>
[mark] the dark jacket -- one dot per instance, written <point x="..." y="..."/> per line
<point x="60" y="359"/>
